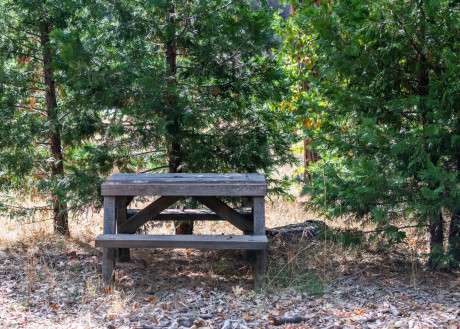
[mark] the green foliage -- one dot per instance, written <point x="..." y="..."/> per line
<point x="222" y="266"/>
<point x="441" y="260"/>
<point x="389" y="87"/>
<point x="49" y="121"/>
<point x="198" y="75"/>
<point x="190" y="85"/>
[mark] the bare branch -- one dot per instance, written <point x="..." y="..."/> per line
<point x="36" y="110"/>
<point x="153" y="169"/>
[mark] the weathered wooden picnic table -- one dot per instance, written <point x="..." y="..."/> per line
<point x="120" y="224"/>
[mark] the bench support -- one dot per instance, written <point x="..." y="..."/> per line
<point x="121" y="218"/>
<point x="108" y="254"/>
<point x="255" y="243"/>
<point x="259" y="257"/>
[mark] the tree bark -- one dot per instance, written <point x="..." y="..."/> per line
<point x="454" y="236"/>
<point x="60" y="214"/>
<point x="175" y="153"/>
<point x="308" y="157"/>
<point x="436" y="230"/>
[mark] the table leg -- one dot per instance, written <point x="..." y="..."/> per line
<point x="108" y="254"/>
<point x="121" y="217"/>
<point x="260" y="268"/>
<point x="260" y="265"/>
<point x="259" y="215"/>
<point x="250" y="255"/>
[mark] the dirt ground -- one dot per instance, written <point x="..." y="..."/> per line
<point x="56" y="283"/>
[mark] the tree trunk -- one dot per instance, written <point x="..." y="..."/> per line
<point x="436" y="230"/>
<point x="60" y="214"/>
<point x="308" y="157"/>
<point x="175" y="153"/>
<point x="454" y="236"/>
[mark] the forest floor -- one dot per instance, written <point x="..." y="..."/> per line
<point x="52" y="282"/>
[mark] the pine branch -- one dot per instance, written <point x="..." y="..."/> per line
<point x="38" y="110"/>
<point x="138" y="154"/>
<point x="23" y="44"/>
<point x="27" y="208"/>
<point x="196" y="86"/>
<point x="27" y="55"/>
<point x="221" y="7"/>
<point x="20" y="30"/>
<point x="412" y="42"/>
<point x="25" y="87"/>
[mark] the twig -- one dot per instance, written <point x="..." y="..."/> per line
<point x="399" y="228"/>
<point x="203" y="316"/>
<point x="138" y="154"/>
<point x="280" y="320"/>
<point x="351" y="275"/>
<point x="149" y="170"/>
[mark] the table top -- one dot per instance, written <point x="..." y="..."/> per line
<point x="206" y="184"/>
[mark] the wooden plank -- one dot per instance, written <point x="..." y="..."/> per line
<point x="109" y="215"/>
<point x="108" y="254"/>
<point x="255" y="242"/>
<point x="189" y="214"/>
<point x="231" y="178"/>
<point x="166" y="189"/>
<point x="226" y="212"/>
<point x="259" y="215"/>
<point x="185" y="184"/>
<point x="143" y="216"/>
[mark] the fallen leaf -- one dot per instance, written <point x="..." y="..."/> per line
<point x="247" y="317"/>
<point x="237" y="290"/>
<point x="198" y="321"/>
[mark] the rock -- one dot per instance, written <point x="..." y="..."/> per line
<point x="175" y="325"/>
<point x="227" y="325"/>
<point x="394" y="311"/>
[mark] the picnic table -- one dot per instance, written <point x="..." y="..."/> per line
<point x="120" y="224"/>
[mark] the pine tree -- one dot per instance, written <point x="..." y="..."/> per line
<point x="200" y="75"/>
<point x="48" y="130"/>
<point x="390" y="84"/>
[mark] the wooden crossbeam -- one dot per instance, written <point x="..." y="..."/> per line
<point x="225" y="212"/>
<point x="146" y="214"/>
<point x="188" y="214"/>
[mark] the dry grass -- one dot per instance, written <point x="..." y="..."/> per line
<point x="52" y="275"/>
<point x="87" y="226"/>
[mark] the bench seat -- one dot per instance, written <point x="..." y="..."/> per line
<point x="245" y="242"/>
